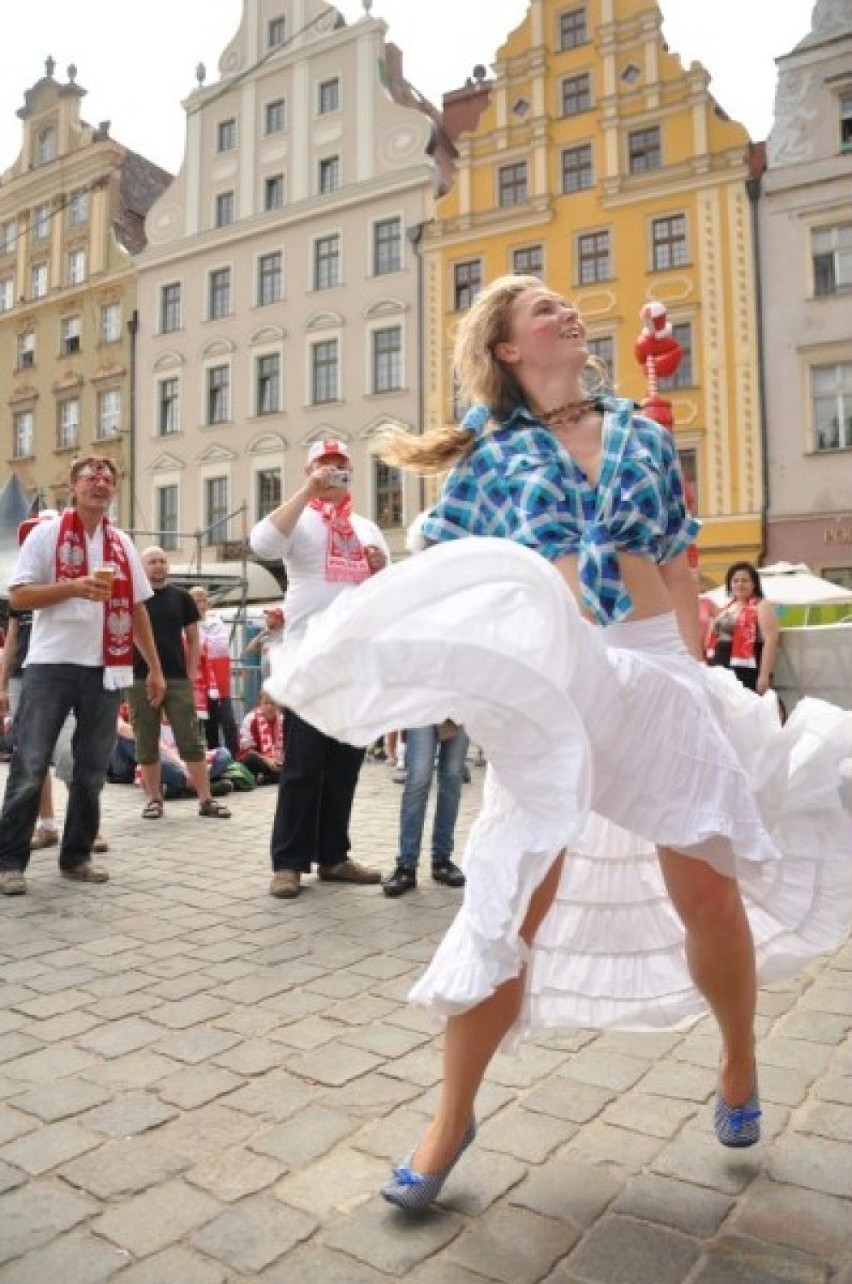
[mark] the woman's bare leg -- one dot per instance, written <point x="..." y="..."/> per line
<point x="470" y="1042"/>
<point x="720" y="954"/>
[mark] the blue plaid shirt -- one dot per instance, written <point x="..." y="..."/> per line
<point x="520" y="483"/>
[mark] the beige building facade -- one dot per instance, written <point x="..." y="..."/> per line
<point x="72" y="210"/>
<point x="806" y="271"/>
<point x="279" y="293"/>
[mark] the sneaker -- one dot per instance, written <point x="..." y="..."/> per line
<point x="449" y="874"/>
<point x="399" y="775"/>
<point x="402" y="880"/>
<point x="44" y="838"/>
<point x="348" y="871"/>
<point x="85" y="872"/>
<point x="100" y="844"/>
<point x="12" y="883"/>
<point x="286" y="884"/>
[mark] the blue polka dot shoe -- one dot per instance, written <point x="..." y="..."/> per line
<point x="411" y="1190"/>
<point x="737" y="1126"/>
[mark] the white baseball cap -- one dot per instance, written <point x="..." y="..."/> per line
<point x="327" y="448"/>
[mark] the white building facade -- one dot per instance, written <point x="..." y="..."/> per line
<point x="279" y="295"/>
<point x="806" y="272"/>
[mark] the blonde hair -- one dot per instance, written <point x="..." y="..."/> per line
<point x="480" y="377"/>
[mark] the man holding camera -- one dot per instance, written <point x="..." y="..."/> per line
<point x="327" y="550"/>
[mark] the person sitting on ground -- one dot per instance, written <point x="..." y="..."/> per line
<point x="262" y="741"/>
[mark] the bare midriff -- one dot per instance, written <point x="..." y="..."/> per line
<point x="641" y="578"/>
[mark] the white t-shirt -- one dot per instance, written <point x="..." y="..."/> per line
<point x="303" y="553"/>
<point x="71" y="632"/>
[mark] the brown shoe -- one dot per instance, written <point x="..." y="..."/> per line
<point x="100" y="844"/>
<point x="12" y="883"/>
<point x="85" y="872"/>
<point x="348" y="871"/>
<point x="43" y="838"/>
<point x="286" y="884"/>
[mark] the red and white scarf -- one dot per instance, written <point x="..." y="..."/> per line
<point x="746" y="634"/>
<point x="267" y="736"/>
<point x="72" y="564"/>
<point x="345" y="559"/>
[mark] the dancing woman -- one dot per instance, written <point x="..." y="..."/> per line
<point x="578" y="503"/>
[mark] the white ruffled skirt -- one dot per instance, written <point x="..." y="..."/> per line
<point x="601" y="742"/>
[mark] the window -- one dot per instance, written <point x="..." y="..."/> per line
<point x="603" y="350"/>
<point x="268" y="491"/>
<point x="467" y="282"/>
<point x="325" y="370"/>
<point x="832" y="405"/>
<point x="668" y="237"/>
<point x="218" y="394"/>
<point x="41" y="221"/>
<point x="572" y="28"/>
<point x="688" y="460"/>
<point x="7" y="294"/>
<point x="387" y="246"/>
<point x="225" y="209"/>
<point x="275" y="32"/>
<point x="45" y="145"/>
<point x="38" y="280"/>
<point x="593" y="258"/>
<point x="78" y="208"/>
<point x="268" y="384"/>
<point x="846" y="123"/>
<point x="168" y="407"/>
<point x="329" y="96"/>
<point x="69" y="335"/>
<point x="167" y="516"/>
<point x="273" y="192"/>
<point x="170" y="319"/>
<point x="226" y="135"/>
<point x="387" y="359"/>
<point x="643" y="148"/>
<point x="216" y="509"/>
<point x="275" y="117"/>
<point x="329" y="175"/>
<point x="577" y="168"/>
<point x="327" y="262"/>
<point x="528" y="261"/>
<point x="109" y="413"/>
<point x="683" y="377"/>
<point x="388" y="488"/>
<point x="576" y="94"/>
<point x="26" y="350"/>
<point x="512" y="184"/>
<point x="8" y="236"/>
<point x="23" y="435"/>
<point x="219" y="294"/>
<point x="76" y="267"/>
<point x="831" y="248"/>
<point x="269" y="278"/>
<point x="110" y="323"/>
<point x="68" y="424"/>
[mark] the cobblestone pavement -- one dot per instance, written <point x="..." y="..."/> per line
<point x="200" y="1084"/>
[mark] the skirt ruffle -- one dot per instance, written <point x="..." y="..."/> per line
<point x="601" y="742"/>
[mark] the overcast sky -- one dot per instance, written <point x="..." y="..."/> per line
<point x="136" y="76"/>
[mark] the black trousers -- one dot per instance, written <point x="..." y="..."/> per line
<point x="315" y="796"/>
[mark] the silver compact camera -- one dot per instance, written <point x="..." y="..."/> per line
<point x="338" y="477"/>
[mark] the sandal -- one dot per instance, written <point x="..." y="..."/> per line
<point x="213" y="808"/>
<point x="153" y="809"/>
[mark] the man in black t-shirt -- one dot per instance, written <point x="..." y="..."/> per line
<point x="174" y="623"/>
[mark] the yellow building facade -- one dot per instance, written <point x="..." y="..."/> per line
<point x="604" y="166"/>
<point x="72" y="207"/>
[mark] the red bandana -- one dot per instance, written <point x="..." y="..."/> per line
<point x="345" y="559"/>
<point x="72" y="564"/>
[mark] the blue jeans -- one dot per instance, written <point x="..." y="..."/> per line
<point x="421" y="746"/>
<point x="49" y="693"/>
